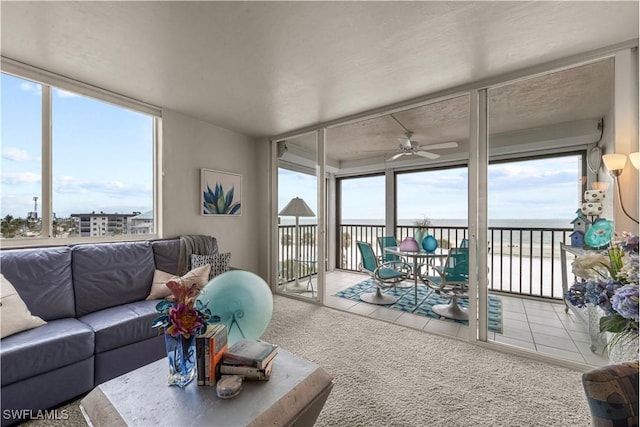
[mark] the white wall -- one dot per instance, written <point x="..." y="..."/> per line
<point x="190" y="144"/>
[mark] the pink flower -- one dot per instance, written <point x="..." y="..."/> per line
<point x="183" y="320"/>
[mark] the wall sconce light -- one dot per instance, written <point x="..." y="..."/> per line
<point x="615" y="163"/>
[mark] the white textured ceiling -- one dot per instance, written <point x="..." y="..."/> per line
<point x="266" y="68"/>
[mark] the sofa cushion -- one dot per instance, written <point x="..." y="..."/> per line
<point x="110" y="274"/>
<point x="14" y="315"/>
<point x="122" y="325"/>
<point x="166" y="252"/>
<point x="54" y="345"/>
<point x="199" y="276"/>
<point x="42" y="277"/>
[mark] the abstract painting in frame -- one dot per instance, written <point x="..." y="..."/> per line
<point x="220" y="193"/>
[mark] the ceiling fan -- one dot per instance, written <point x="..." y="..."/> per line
<point x="408" y="147"/>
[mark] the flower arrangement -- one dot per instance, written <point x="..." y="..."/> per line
<point x="181" y="314"/>
<point x="422" y="223"/>
<point x="609" y="280"/>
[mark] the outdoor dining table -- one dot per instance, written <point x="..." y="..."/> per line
<point x="415" y="256"/>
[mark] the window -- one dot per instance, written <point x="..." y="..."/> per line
<point x="362" y="200"/>
<point x="101" y="162"/>
<point x="440" y="195"/>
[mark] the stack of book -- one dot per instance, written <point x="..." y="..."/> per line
<point x="210" y="347"/>
<point x="250" y="359"/>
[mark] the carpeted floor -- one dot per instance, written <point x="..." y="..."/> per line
<point x="390" y="375"/>
<point x="427" y="298"/>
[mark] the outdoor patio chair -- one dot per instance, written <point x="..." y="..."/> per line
<point x="451" y="281"/>
<point x="386" y="242"/>
<point x="388" y="274"/>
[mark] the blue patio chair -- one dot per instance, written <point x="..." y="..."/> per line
<point x="386" y="275"/>
<point x="451" y="281"/>
<point x="386" y="242"/>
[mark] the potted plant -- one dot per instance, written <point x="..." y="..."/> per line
<point x="421" y="229"/>
<point x="609" y="281"/>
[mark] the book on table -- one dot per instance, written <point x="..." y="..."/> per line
<point x="248" y="352"/>
<point x="248" y="373"/>
<point x="210" y="346"/>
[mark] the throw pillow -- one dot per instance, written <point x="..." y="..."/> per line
<point x="199" y="276"/>
<point x="219" y="262"/>
<point x="14" y="315"/>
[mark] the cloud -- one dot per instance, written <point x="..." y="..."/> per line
<point x="20" y="178"/>
<point x="31" y="87"/>
<point x="71" y="185"/>
<point x="36" y="88"/>
<point x="61" y="93"/>
<point x="16" y="154"/>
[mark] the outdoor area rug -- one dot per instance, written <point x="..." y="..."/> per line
<point x="427" y="298"/>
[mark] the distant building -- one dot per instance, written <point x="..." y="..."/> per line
<point x="142" y="223"/>
<point x="102" y="224"/>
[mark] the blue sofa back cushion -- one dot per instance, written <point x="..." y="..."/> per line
<point x="42" y="278"/>
<point x="110" y="274"/>
<point x="167" y="253"/>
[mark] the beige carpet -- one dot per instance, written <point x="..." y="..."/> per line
<point x="389" y="375"/>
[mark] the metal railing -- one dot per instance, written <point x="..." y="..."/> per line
<point x="522" y="261"/>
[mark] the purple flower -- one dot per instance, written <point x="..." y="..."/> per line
<point x="625" y="302"/>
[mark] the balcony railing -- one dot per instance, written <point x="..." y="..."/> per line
<point x="522" y="261"/>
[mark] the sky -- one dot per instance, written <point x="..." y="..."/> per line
<point x="102" y="154"/>
<point x="102" y="161"/>
<point x="531" y="189"/>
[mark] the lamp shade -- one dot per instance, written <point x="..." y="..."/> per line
<point x="614" y="162"/>
<point x="296" y="207"/>
<point x="635" y="159"/>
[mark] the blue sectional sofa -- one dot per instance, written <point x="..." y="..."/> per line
<point x="92" y="297"/>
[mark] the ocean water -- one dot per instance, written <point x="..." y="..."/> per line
<point x="450" y="222"/>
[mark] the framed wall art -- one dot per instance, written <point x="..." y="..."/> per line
<point x="220" y="193"/>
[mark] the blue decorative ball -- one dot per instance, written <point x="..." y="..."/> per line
<point x="429" y="243"/>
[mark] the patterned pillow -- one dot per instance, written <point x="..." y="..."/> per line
<point x="219" y="262"/>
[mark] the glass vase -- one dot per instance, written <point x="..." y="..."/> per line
<point x="622" y="349"/>
<point x="181" y="353"/>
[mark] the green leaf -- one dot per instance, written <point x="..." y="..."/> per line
<point x="160" y="321"/>
<point x="164" y="306"/>
<point x="614" y="323"/>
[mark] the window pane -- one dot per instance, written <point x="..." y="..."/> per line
<point x="363" y="200"/>
<point x="439" y="195"/>
<point x="539" y="192"/>
<point x="21" y="135"/>
<point x="102" y="168"/>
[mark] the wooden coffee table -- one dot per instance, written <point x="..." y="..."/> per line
<point x="294" y="396"/>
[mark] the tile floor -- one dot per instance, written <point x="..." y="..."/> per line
<point x="535" y="325"/>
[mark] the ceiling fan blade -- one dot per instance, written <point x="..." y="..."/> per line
<point x="451" y="144"/>
<point x="395" y="156"/>
<point x="426" y="154"/>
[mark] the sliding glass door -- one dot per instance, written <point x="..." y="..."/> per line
<point x="539" y="133"/>
<point x="297" y="262"/>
